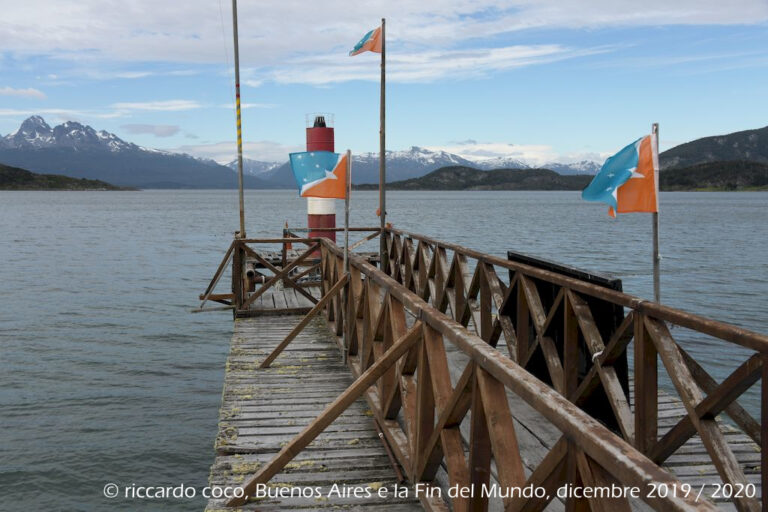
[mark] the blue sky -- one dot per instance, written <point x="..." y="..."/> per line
<point x="548" y="80"/>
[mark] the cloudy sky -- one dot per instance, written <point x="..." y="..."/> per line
<point x="536" y="79"/>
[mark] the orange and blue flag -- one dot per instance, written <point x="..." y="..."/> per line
<point x="628" y="181"/>
<point x="371" y="42"/>
<point x="320" y="174"/>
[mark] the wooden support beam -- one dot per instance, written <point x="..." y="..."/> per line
<point x="501" y="430"/>
<point x="715" y="402"/>
<point x="738" y="414"/>
<point x="329" y="415"/>
<point x="592" y="476"/>
<point x="362" y="241"/>
<point x="217" y="275"/>
<point x="304" y="321"/>
<point x="549" y="474"/>
<point x="710" y="433"/>
<point x="279" y="275"/>
<point x="617" y="399"/>
<point x="287" y="279"/>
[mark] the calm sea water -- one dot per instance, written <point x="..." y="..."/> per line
<point x="105" y="376"/>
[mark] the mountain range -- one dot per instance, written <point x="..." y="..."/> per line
<point x="402" y="165"/>
<point x="77" y="150"/>
<point x="747" y="145"/>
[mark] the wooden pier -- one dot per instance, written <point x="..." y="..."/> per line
<point x="452" y="367"/>
<point x="263" y="409"/>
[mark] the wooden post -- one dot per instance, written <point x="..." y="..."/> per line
<point x="239" y="121"/>
<point x="237" y="277"/>
<point x="479" y="450"/>
<point x="656" y="256"/>
<point x="382" y="155"/>
<point x="646" y="388"/>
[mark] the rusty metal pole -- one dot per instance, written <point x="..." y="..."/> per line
<point x="656" y="256"/>
<point x="382" y="155"/>
<point x="239" y="122"/>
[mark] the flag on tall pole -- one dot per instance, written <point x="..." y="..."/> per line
<point x="320" y="174"/>
<point x="628" y="182"/>
<point x="375" y="41"/>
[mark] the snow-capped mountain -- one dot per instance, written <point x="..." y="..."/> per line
<point x="401" y="165"/>
<point x="77" y="150"/>
<point x="582" y="167"/>
<point x="411" y="163"/>
<point x="35" y="133"/>
<point x="254" y="167"/>
<point x="500" y="162"/>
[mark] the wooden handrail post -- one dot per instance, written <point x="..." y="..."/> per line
<point x="284" y="259"/>
<point x="646" y="388"/>
<point x="237" y="276"/>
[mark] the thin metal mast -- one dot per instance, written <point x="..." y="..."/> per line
<point x="239" y="122"/>
<point x="382" y="153"/>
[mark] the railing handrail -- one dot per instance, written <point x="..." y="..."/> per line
<point x="722" y="330"/>
<point x="625" y="462"/>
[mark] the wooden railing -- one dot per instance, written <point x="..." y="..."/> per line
<point x="465" y="285"/>
<point x="420" y="408"/>
<point x="398" y="323"/>
<point x="250" y="284"/>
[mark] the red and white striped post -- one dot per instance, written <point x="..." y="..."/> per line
<point x="321" y="212"/>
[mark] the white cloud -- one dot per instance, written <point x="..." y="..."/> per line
<point x="28" y="92"/>
<point x="158" y="130"/>
<point x="115" y="110"/>
<point x="245" y="106"/>
<point x="163" y="106"/>
<point x="532" y="154"/>
<point x="62" y="113"/>
<point x="423" y="66"/>
<point x="225" y="152"/>
<point x="273" y="35"/>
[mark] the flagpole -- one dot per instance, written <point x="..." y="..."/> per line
<point x="382" y="165"/>
<point x="656" y="256"/>
<point x="239" y="123"/>
<point x="347" y="288"/>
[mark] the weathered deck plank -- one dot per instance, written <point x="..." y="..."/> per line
<point x="280" y="300"/>
<point x="262" y="409"/>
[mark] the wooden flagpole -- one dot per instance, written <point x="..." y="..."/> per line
<point x="382" y="164"/>
<point x="239" y="123"/>
<point x="656" y="256"/>
<point x="347" y="288"/>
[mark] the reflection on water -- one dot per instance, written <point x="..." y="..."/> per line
<point x="106" y="377"/>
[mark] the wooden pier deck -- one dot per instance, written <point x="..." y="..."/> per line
<point x="262" y="409"/>
<point x="283" y="301"/>
<point x="474" y="370"/>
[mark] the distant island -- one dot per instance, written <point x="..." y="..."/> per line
<point x="736" y="175"/>
<point x="710" y="176"/>
<point x="468" y="178"/>
<point x="13" y="178"/>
